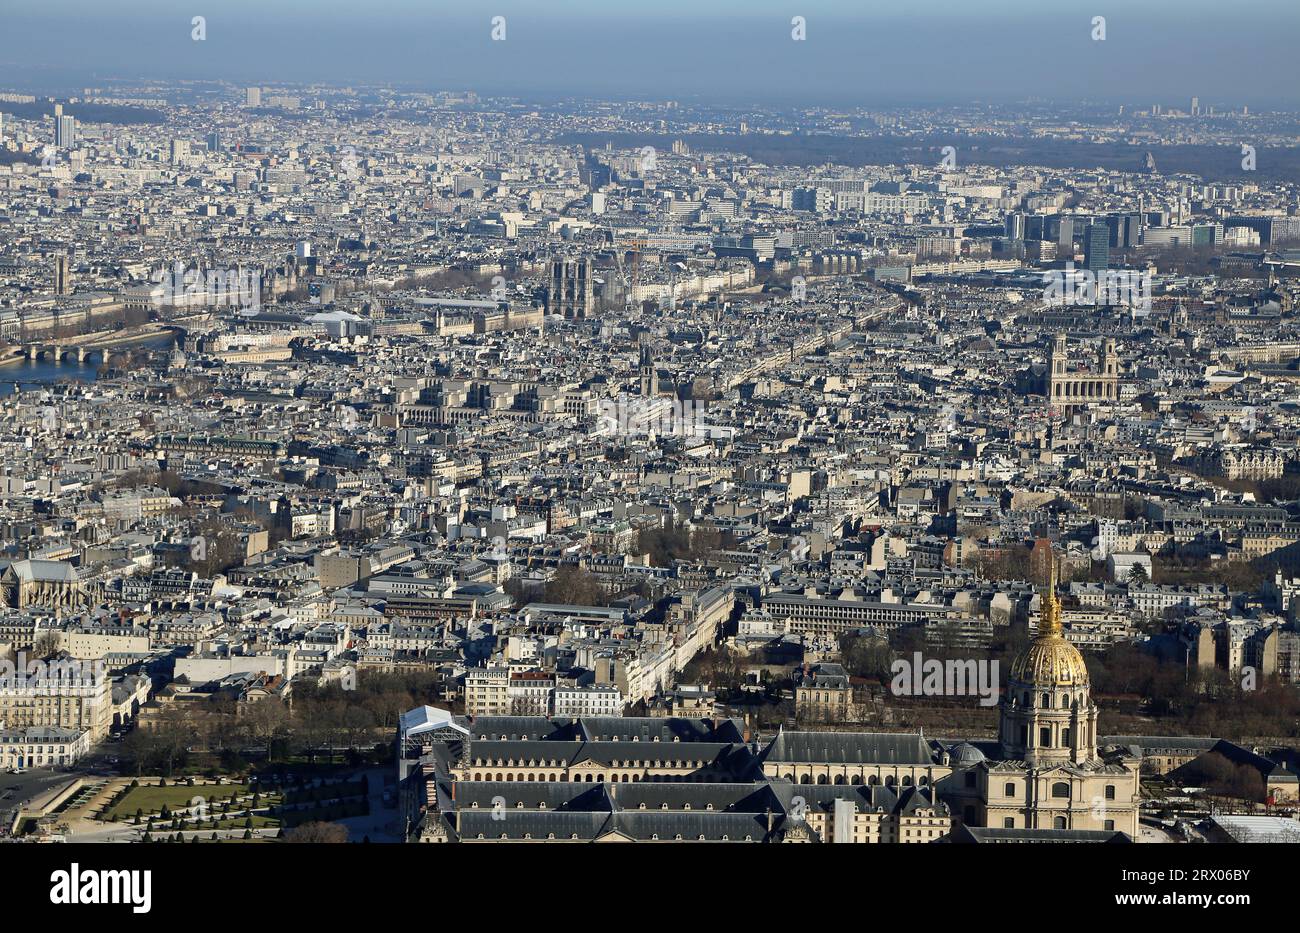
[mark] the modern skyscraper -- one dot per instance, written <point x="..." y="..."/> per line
<point x="65" y="130"/>
<point x="1015" y="226"/>
<point x="253" y="97"/>
<point x="1096" y="247"/>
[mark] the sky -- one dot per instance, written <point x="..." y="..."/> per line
<point x="856" y="52"/>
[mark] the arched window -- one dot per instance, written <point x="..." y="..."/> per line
<point x="1061" y="789"/>
<point x="1009" y="789"/>
<point x="1110" y="791"/>
<point x="1058" y="823"/>
<point x="1045" y="737"/>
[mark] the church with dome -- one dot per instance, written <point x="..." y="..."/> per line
<point x="1049" y="772"/>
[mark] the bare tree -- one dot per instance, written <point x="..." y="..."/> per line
<point x="318" y="832"/>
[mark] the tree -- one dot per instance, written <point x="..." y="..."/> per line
<point x="574" y="586"/>
<point x="318" y="832"/>
<point x="1137" y="575"/>
<point x="46" y="644"/>
<point x="266" y="722"/>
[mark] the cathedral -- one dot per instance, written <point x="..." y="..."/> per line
<point x="44" y="584"/>
<point x="1072" y="386"/>
<point x="1050" y="773"/>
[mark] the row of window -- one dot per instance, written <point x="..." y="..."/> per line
<point x="554" y="763"/>
<point x="1060" y="789"/>
<point x="872" y="780"/>
<point x="1057" y="823"/>
<point x="701" y="778"/>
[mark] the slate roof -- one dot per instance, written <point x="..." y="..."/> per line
<point x="865" y="748"/>
<point x="603" y="728"/>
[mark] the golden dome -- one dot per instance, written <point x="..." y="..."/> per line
<point x="1050" y="660"/>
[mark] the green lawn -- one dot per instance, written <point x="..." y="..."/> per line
<point x="151" y="798"/>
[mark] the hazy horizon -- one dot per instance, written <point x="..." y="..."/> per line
<point x="868" y="54"/>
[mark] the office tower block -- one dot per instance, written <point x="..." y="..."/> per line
<point x="572" y="291"/>
<point x="1125" y="230"/>
<point x="253" y="97"/>
<point x="214" y="141"/>
<point x="1067" y="231"/>
<point x="1015" y="226"/>
<point x="1096" y="247"/>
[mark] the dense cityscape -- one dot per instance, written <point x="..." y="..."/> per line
<point x="399" y="465"/>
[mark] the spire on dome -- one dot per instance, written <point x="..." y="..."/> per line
<point x="1050" y="625"/>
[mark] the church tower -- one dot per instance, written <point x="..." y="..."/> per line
<point x="1047" y="714"/>
<point x="649" y="374"/>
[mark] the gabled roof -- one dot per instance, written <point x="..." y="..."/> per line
<point x="428" y="719"/>
<point x="850" y="748"/>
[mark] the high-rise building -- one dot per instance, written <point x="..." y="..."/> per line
<point x="1125" y="230"/>
<point x="65" y="130"/>
<point x="1015" y="226"/>
<point x="214" y="141"/>
<point x="180" y="151"/>
<point x="253" y="97"/>
<point x="1096" y="247"/>
<point x="1196" y="106"/>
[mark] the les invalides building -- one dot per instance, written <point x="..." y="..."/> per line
<point x="1051" y="774"/>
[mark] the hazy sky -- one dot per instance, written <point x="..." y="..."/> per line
<point x="856" y="52"/>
